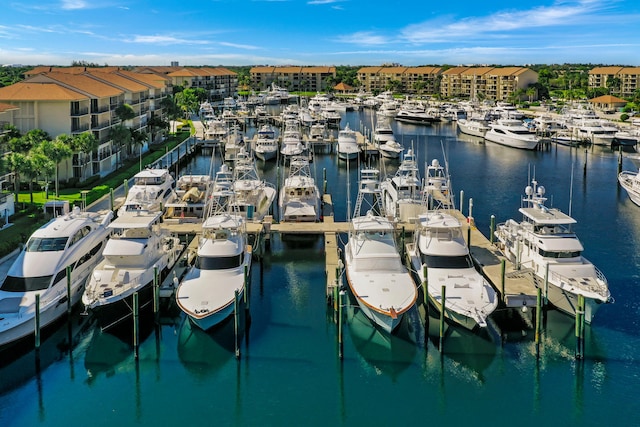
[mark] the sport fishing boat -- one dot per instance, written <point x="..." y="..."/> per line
<point x="630" y="181"/>
<point x="402" y="193"/>
<point x="299" y="199"/>
<point x="74" y="240"/>
<point x="377" y="277"/>
<point x="544" y="242"/>
<point x="439" y="249"/>
<point x="253" y="196"/>
<point x="207" y="293"/>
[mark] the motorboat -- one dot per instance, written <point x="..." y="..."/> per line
<point x="266" y="145"/>
<point x="384" y="139"/>
<point x="472" y="126"/>
<point x="216" y="282"/>
<point x="544" y="243"/>
<point x="233" y="143"/>
<point x="192" y="197"/>
<point x="391" y="149"/>
<point x="630" y="181"/>
<point x="402" y="193"/>
<point x="595" y="131"/>
<point x="138" y="250"/>
<point x="627" y="137"/>
<point x="440" y="251"/>
<point x="415" y="115"/>
<point x="75" y="241"/>
<point x="300" y="199"/>
<point x="347" y="147"/>
<point x="292" y="140"/>
<point x="253" y="196"/>
<point x="376" y="275"/>
<point x="216" y="130"/>
<point x="512" y="133"/>
<point x="152" y="189"/>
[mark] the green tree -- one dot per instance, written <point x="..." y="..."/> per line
<point x="138" y="138"/>
<point x="85" y="143"/>
<point x="187" y="100"/>
<point x="37" y="164"/>
<point x="156" y="123"/>
<point x="57" y="151"/>
<point x="125" y="112"/>
<point x="17" y="164"/>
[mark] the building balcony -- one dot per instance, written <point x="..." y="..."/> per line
<point x="79" y="128"/>
<point x="101" y="109"/>
<point x="76" y="112"/>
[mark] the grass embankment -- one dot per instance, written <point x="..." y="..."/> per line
<point x="29" y="216"/>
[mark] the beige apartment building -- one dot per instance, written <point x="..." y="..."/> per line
<point x="78" y="99"/>
<point x="295" y="79"/>
<point x="219" y="82"/>
<point x="629" y="80"/>
<point x="408" y="79"/>
<point x="491" y="83"/>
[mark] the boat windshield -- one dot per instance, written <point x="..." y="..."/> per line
<point x="25" y="284"/>
<point x="563" y="254"/>
<point x="219" y="263"/>
<point x="438" y="261"/>
<point x="48" y="244"/>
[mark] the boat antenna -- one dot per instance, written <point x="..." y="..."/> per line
<point x="571" y="191"/>
<point x="348" y="192"/>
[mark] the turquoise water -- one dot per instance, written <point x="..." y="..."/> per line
<point x="289" y="373"/>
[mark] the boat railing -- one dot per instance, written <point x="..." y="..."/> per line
<point x="597" y="284"/>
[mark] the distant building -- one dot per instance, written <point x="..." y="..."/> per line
<point x="405" y="79"/>
<point x="628" y="79"/>
<point x="491" y="83"/>
<point x="295" y="79"/>
<point x="219" y="82"/>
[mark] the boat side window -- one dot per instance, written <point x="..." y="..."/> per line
<point x="435" y="261"/>
<point x="86" y="257"/>
<point x="49" y="244"/>
<point x="564" y="254"/>
<point x="166" y="193"/>
<point x="25" y="284"/>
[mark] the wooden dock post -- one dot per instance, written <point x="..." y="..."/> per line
<point x="492" y="228"/>
<point x="580" y="328"/>
<point x="324" y="181"/>
<point x="546" y="285"/>
<point x="538" y="320"/>
<point x="341" y="295"/>
<point x="443" y="299"/>
<point x="461" y="200"/>
<point x="156" y="293"/>
<point x="247" y="284"/>
<point x="136" y="329"/>
<point x="619" y="159"/>
<point x="584" y="171"/>
<point x="68" y="290"/>
<point x="503" y="271"/>
<point x="235" y="323"/>
<point x="37" y="325"/>
<point x="111" y="199"/>
<point x="125" y="184"/>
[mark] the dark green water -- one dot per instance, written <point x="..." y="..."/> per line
<point x="289" y="373"/>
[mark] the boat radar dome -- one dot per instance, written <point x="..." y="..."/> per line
<point x="435" y="163"/>
<point x="528" y="190"/>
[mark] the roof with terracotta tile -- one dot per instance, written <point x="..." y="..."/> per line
<point x="7" y="107"/>
<point x="33" y="91"/>
<point x="424" y="70"/>
<point x="605" y="70"/>
<point x="184" y="72"/>
<point x="262" y="70"/>
<point x="630" y="70"/>
<point x="150" y="79"/>
<point x="607" y="99"/>
<point x="476" y="71"/>
<point x="82" y="82"/>
<point x="392" y="70"/>
<point x="455" y="71"/>
<point x="369" y="70"/>
<point x="119" y="81"/>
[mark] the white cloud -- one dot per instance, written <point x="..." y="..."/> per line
<point x="363" y="38"/>
<point x="163" y="40"/>
<point x="74" y="4"/>
<point x="239" y="46"/>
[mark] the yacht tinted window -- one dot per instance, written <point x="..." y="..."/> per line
<point x="51" y="244"/>
<point x="219" y="263"/>
<point x="25" y="284"/>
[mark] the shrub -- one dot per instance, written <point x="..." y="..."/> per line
<point x="624" y="117"/>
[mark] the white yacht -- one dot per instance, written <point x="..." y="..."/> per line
<point x="74" y="240"/>
<point x="512" y="133"/>
<point x="630" y="181"/>
<point x="252" y="196"/>
<point x="415" y="115"/>
<point x="152" y="189"/>
<point x="473" y="126"/>
<point x="439" y="249"/>
<point x="544" y="242"/>
<point x="377" y="277"/>
<point x="207" y="293"/>
<point x="347" y="147"/>
<point x="402" y="193"/>
<point x="594" y="131"/>
<point x="138" y="248"/>
<point x="234" y="142"/>
<point x="192" y="192"/>
<point x="300" y="199"/>
<point x="391" y="149"/>
<point x="437" y="192"/>
<point x="384" y="139"/>
<point x="292" y="140"/>
<point x="266" y="146"/>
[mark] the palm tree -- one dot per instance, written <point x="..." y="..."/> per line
<point x="138" y="138"/>
<point x="85" y="143"/>
<point x="57" y="151"/>
<point x="37" y="164"/>
<point x="17" y="163"/>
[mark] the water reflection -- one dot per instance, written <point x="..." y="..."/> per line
<point x="386" y="354"/>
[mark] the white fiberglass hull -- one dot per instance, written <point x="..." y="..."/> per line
<point x="523" y="144"/>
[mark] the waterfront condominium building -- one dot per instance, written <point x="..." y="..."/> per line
<point x="415" y="80"/>
<point x="491" y="83"/>
<point x="621" y="81"/>
<point x="81" y="99"/>
<point x="219" y="82"/>
<point x="295" y="79"/>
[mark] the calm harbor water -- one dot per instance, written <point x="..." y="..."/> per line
<point x="289" y="373"/>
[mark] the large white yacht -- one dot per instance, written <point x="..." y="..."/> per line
<point x="300" y="198"/>
<point x="192" y="198"/>
<point x="377" y="277"/>
<point x="252" y="196"/>
<point x="138" y="248"/>
<point x="74" y="240"/>
<point x="544" y="242"/>
<point x="402" y="193"/>
<point x="207" y="293"/>
<point x="152" y="189"/>
<point x="439" y="249"/>
<point x="512" y="133"/>
<point x="347" y="147"/>
<point x="292" y="140"/>
<point x="473" y="126"/>
<point x="266" y="145"/>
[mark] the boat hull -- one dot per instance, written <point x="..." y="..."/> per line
<point x="119" y="313"/>
<point x="511" y="142"/>
<point x="216" y="317"/>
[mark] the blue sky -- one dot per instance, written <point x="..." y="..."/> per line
<point x="319" y="32"/>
